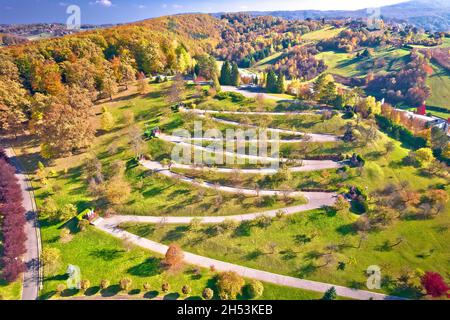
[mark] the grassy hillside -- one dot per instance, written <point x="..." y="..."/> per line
<point x="348" y="65"/>
<point x="325" y="33"/>
<point x="439" y="83"/>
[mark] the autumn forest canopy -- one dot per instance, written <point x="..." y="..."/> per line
<point x="49" y="86"/>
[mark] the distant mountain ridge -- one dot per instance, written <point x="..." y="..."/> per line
<point x="428" y="14"/>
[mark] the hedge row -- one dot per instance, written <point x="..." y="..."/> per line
<point x="399" y="132"/>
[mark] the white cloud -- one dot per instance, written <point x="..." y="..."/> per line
<point x="177" y="6"/>
<point x="104" y="3"/>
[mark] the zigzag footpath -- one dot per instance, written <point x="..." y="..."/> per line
<point x="306" y="165"/>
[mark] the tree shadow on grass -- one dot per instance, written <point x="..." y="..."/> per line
<point x="58" y="277"/>
<point x="92" y="291"/>
<point x="69" y="292"/>
<point x="134" y="292"/>
<point x="194" y="298"/>
<point x="151" y="294"/>
<point x="306" y="270"/>
<point x="110" y="291"/>
<point x="150" y="267"/>
<point x="47" y="295"/>
<point x="175" y="234"/>
<point x="107" y="254"/>
<point x="172" y="296"/>
<point x="244" y="229"/>
<point x="347" y="229"/>
<point x="357" y="285"/>
<point x="253" y="255"/>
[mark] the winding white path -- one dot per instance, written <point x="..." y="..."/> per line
<point x="251" y="94"/>
<point x="306" y="165"/>
<point x="250" y="113"/>
<point x="110" y="226"/>
<point x="326" y="197"/>
<point x="313" y="137"/>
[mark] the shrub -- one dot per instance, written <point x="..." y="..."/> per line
<point x="60" y="288"/>
<point x="330" y="294"/>
<point x="229" y="225"/>
<point x="207" y="294"/>
<point x="341" y="204"/>
<point x="254" y="289"/>
<point x="280" y="214"/>
<point x="263" y="221"/>
<point x="147" y="287"/>
<point x="165" y="287"/>
<point x="125" y="284"/>
<point x="434" y="284"/>
<point x="51" y="260"/>
<point x="85" y="284"/>
<point x="67" y="212"/>
<point x="186" y="290"/>
<point x="83" y="224"/>
<point x="104" y="284"/>
<point x="229" y="285"/>
<point x="174" y="256"/>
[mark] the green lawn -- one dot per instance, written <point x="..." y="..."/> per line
<point x="348" y="65"/>
<point x="252" y="246"/>
<point x="100" y="256"/>
<point x="439" y="83"/>
<point x="326" y="33"/>
<point x="303" y="123"/>
<point x="11" y="291"/>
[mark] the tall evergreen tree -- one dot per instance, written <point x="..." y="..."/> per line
<point x="235" y="77"/>
<point x="225" y="74"/>
<point x="281" y="84"/>
<point x="216" y="84"/>
<point x="271" y="82"/>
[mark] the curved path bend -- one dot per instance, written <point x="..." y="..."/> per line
<point x="159" y="168"/>
<point x="306" y="165"/>
<point x="251" y="113"/>
<point x="252" y="94"/>
<point x="109" y="226"/>
<point x="312" y="137"/>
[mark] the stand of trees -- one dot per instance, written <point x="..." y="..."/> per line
<point x="275" y="83"/>
<point x="12" y="216"/>
<point x="229" y="74"/>
<point x="49" y="86"/>
<point x="300" y="63"/>
<point x="244" y="38"/>
<point x="406" y="86"/>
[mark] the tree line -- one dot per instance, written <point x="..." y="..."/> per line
<point x="12" y="216"/>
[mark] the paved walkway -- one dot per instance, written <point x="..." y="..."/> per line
<point x="159" y="168"/>
<point x="312" y="137"/>
<point x="251" y="113"/>
<point x="31" y="276"/>
<point x="306" y="165"/>
<point x="315" y="201"/>
<point x="109" y="226"/>
<point x="252" y="94"/>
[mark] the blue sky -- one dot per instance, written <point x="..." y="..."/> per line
<point x="118" y="11"/>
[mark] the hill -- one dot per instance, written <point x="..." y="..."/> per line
<point x="427" y="14"/>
